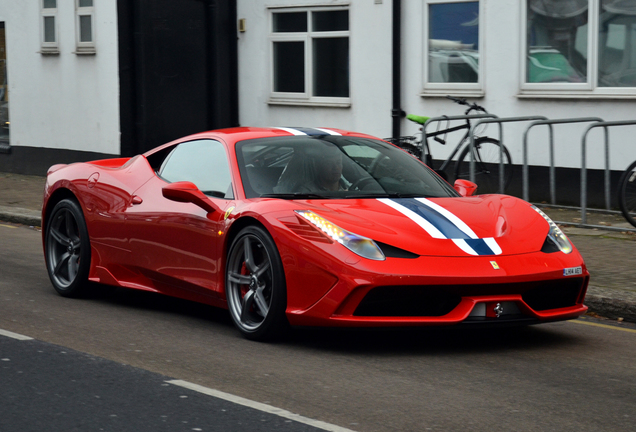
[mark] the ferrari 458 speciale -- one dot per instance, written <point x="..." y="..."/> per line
<point x="307" y="227"/>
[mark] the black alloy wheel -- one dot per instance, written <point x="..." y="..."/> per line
<point x="255" y="285"/>
<point x="67" y="249"/>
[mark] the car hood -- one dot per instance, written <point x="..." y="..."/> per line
<point x="479" y="225"/>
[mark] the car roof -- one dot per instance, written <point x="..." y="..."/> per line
<point x="233" y="135"/>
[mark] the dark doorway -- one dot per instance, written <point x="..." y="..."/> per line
<point x="177" y="68"/>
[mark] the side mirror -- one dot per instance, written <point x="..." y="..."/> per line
<point x="188" y="192"/>
<point x="464" y="187"/>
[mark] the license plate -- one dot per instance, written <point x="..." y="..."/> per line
<point x="572" y="271"/>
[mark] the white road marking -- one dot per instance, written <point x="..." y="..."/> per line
<point x="12" y="335"/>
<point x="259" y="406"/>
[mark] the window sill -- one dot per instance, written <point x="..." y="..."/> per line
<point x="576" y="95"/>
<point x="85" y="51"/>
<point x="307" y="103"/>
<point x="455" y="93"/>
<point x="49" y="52"/>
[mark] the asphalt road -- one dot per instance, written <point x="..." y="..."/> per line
<point x="568" y="376"/>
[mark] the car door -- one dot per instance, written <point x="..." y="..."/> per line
<point x="177" y="245"/>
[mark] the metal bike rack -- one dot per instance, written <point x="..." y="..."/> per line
<point x="605" y="126"/>
<point x="499" y="121"/>
<point x="549" y="123"/>
<point x="451" y="118"/>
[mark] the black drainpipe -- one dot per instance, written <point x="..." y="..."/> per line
<point x="397" y="112"/>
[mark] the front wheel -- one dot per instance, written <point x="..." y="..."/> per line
<point x="486" y="156"/>
<point x="67" y="249"/>
<point x="627" y="194"/>
<point x="255" y="285"/>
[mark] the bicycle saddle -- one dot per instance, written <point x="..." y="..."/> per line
<point x="417" y="119"/>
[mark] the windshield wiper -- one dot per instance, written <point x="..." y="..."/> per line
<point x="388" y="195"/>
<point x="296" y="195"/>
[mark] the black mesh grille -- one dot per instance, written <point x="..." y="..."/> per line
<point x="439" y="300"/>
<point x="554" y="295"/>
<point x="406" y="301"/>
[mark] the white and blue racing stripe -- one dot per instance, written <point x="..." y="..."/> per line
<point x="309" y="131"/>
<point x="440" y="223"/>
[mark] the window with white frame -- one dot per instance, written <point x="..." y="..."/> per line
<point x="85" y="32"/>
<point x="310" y="55"/>
<point x="584" y="46"/>
<point x="452" y="43"/>
<point x="48" y="27"/>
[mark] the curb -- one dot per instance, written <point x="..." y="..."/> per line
<point x="611" y="308"/>
<point x="21" y="216"/>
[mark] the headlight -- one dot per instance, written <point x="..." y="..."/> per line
<point x="365" y="247"/>
<point x="555" y="235"/>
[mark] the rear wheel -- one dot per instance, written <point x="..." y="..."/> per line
<point x="486" y="156"/>
<point x="255" y="285"/>
<point x="627" y="194"/>
<point x="67" y="249"/>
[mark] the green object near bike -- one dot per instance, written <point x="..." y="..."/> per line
<point x="417" y="119"/>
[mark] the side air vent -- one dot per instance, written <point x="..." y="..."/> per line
<point x="393" y="252"/>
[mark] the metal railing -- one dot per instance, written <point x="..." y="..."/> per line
<point x="452" y="118"/>
<point x="605" y="126"/>
<point x="526" y="170"/>
<point x="500" y="122"/>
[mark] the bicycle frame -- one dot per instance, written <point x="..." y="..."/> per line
<point x="462" y="141"/>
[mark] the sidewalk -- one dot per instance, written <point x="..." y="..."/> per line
<point x="609" y="255"/>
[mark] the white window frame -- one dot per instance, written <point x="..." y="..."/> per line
<point x="84" y="47"/>
<point x="49" y="47"/>
<point x="456" y="89"/>
<point x="306" y="98"/>
<point x="587" y="90"/>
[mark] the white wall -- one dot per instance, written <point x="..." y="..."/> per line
<point x="65" y="101"/>
<point x="370" y="71"/>
<point x="370" y="111"/>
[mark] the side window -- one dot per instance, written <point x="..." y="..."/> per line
<point x="202" y="162"/>
<point x="452" y="46"/>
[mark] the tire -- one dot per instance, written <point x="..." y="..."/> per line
<point x="67" y="249"/>
<point x="255" y="285"/>
<point x="627" y="194"/>
<point x="486" y="165"/>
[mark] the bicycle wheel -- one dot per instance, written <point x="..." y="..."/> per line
<point x="486" y="165"/>
<point x="627" y="193"/>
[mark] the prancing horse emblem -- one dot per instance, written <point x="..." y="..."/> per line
<point x="498" y="310"/>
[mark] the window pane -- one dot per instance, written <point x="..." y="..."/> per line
<point x="49" y="4"/>
<point x="49" y="29"/>
<point x="331" y="67"/>
<point x="330" y="21"/>
<point x="290" y="22"/>
<point x="289" y="67"/>
<point x="617" y="44"/>
<point x="557" y="41"/>
<point x="203" y="163"/>
<point x="86" y="32"/>
<point x="85" y="3"/>
<point x="453" y="42"/>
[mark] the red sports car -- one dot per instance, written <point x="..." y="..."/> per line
<point x="308" y="227"/>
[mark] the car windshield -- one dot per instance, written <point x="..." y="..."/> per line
<point x="333" y="167"/>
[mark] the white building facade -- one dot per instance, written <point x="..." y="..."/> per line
<point x="536" y="57"/>
<point x="330" y="63"/>
<point x="62" y="74"/>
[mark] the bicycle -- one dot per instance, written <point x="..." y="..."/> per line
<point x="486" y="151"/>
<point x="627" y="193"/>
